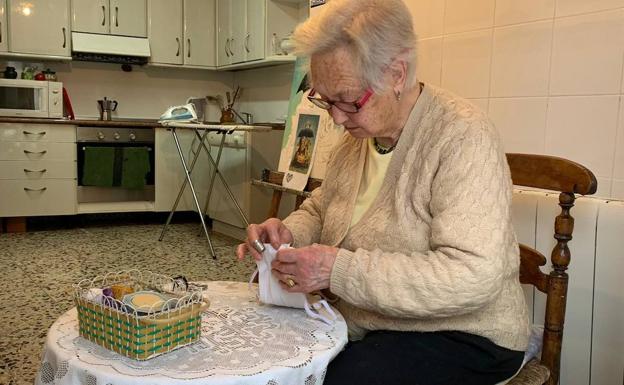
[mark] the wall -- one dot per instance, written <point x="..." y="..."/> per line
<point x="143" y="93"/>
<point x="548" y="72"/>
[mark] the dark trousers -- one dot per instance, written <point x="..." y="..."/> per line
<point x="415" y="358"/>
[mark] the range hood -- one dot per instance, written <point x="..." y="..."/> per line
<point x="110" y="48"/>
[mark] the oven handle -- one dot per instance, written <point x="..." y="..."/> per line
<point x="148" y="148"/>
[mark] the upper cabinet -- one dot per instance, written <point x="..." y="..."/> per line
<point x="4" y="46"/>
<point x="39" y="27"/>
<point x="182" y="32"/>
<point x="116" y="17"/>
<point x="250" y="30"/>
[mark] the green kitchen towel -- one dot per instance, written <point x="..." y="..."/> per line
<point x="98" y="166"/>
<point x="135" y="167"/>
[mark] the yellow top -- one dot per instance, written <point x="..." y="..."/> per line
<point x="375" y="168"/>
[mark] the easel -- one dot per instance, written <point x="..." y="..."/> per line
<point x="273" y="180"/>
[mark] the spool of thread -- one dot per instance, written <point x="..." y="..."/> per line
<point x="95" y="294"/>
<point x="120" y="290"/>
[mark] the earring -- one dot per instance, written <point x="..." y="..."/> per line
<point x="397" y="94"/>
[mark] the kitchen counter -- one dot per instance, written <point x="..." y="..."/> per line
<point x="132" y="123"/>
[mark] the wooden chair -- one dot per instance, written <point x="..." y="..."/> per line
<point x="569" y="178"/>
<point x="537" y="171"/>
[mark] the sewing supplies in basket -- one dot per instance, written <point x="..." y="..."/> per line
<point x="271" y="292"/>
<point x="139" y="314"/>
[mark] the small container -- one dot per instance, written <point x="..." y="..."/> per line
<point x="10" y="73"/>
<point x="227" y="116"/>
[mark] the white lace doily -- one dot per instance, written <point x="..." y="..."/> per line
<point x="242" y="341"/>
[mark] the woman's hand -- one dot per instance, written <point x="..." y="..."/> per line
<point x="270" y="231"/>
<point x="307" y="269"/>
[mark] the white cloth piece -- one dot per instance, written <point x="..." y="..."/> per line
<point x="270" y="291"/>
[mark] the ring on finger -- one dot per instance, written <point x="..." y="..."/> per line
<point x="290" y="282"/>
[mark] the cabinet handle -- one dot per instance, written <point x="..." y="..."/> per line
<point x="227" y="43"/>
<point x="178" y="41"/>
<point x="64" y="38"/>
<point x="34" y="133"/>
<point x="188" y="54"/>
<point x="230" y="47"/>
<point x="116" y="16"/>
<point x="103" y="15"/>
<point x="247" y="43"/>
<point x="35" y="189"/>
<point x="35" y="152"/>
<point x="0" y="32"/>
<point x="35" y="171"/>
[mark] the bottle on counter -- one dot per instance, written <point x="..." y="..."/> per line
<point x="10" y="73"/>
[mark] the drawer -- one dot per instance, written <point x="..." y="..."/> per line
<point x="45" y="197"/>
<point x="37" y="169"/>
<point x="37" y="132"/>
<point x="37" y="151"/>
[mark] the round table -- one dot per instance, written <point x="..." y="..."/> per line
<point x="242" y="342"/>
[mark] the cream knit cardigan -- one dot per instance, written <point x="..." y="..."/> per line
<point x="436" y="249"/>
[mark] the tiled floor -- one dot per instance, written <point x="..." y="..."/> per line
<point x="38" y="269"/>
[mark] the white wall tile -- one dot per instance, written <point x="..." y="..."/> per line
<point x="468" y="15"/>
<point x="583" y="129"/>
<point x="428" y="16"/>
<point x="575" y="7"/>
<point x="618" y="171"/>
<point x="604" y="187"/>
<point x="429" y="65"/>
<point x="514" y="11"/>
<point x="466" y="63"/>
<point x="521" y="60"/>
<point x="617" y="189"/>
<point x="587" y="54"/>
<point x="521" y="123"/>
<point x="482" y="103"/>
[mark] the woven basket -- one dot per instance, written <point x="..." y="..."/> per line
<point x="140" y="336"/>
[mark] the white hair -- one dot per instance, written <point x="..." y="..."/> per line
<point x="375" y="32"/>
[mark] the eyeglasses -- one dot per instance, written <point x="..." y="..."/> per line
<point x="349" y="107"/>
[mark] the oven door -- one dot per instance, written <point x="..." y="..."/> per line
<point x="102" y="180"/>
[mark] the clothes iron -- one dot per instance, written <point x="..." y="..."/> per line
<point x="184" y="113"/>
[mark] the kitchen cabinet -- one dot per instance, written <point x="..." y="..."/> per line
<point x="4" y="47"/>
<point x="182" y="32"/>
<point x="241" y="30"/>
<point x="249" y="30"/>
<point x="37" y="169"/>
<point x="39" y="27"/>
<point x="115" y="17"/>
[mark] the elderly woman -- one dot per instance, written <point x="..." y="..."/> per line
<point x="411" y="229"/>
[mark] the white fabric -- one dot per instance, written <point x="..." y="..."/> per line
<point x="242" y="342"/>
<point x="270" y="291"/>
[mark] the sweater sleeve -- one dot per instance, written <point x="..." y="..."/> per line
<point x="470" y="234"/>
<point x="305" y="223"/>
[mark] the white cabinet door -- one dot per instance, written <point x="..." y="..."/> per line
<point x="39" y="27"/>
<point x="3" y="27"/>
<point x="128" y="17"/>
<point x="165" y="31"/>
<point x="90" y="16"/>
<point x="224" y="33"/>
<point x="238" y="26"/>
<point x="199" y="33"/>
<point x="254" y="41"/>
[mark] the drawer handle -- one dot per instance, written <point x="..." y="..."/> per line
<point x="34" y="133"/>
<point x="35" y="152"/>
<point x="39" y="171"/>
<point x="35" y="189"/>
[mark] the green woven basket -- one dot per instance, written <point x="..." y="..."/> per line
<point x="137" y="335"/>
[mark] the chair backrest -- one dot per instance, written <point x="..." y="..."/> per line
<point x="569" y="179"/>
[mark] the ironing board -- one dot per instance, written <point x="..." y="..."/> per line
<point x="201" y="131"/>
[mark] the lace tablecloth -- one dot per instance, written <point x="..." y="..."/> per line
<point x="242" y="342"/>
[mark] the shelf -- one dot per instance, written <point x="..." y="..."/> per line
<point x="33" y="56"/>
<point x="266" y="62"/>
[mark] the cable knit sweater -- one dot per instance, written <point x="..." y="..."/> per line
<point x="436" y="249"/>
